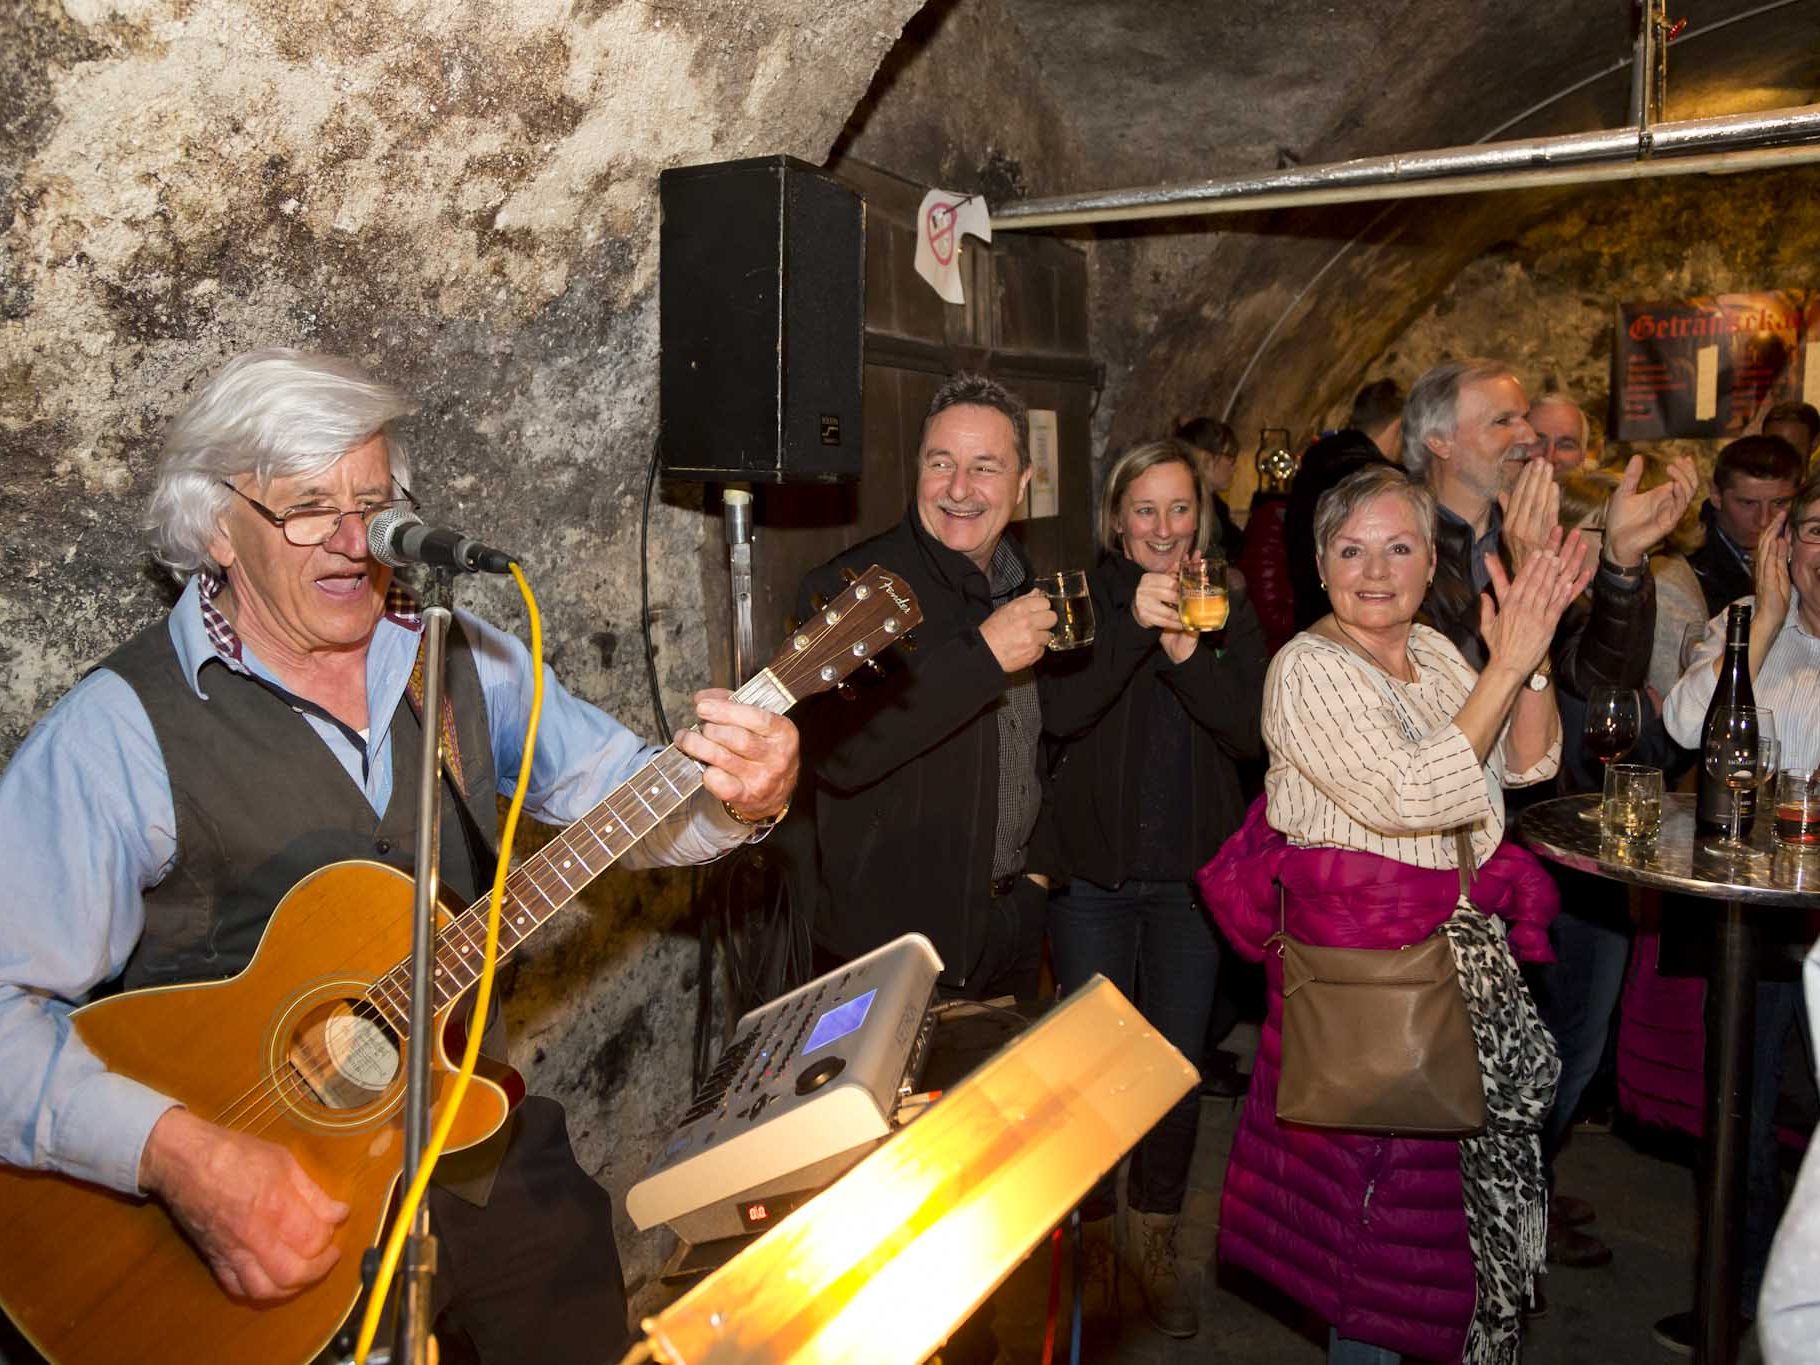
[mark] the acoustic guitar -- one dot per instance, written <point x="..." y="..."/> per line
<point x="304" y="1048"/>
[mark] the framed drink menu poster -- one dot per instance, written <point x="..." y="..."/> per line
<point x="1710" y="365"/>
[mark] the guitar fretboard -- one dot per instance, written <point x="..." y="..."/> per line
<point x="541" y="885"/>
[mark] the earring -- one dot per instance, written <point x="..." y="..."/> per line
<point x="1323" y="585"/>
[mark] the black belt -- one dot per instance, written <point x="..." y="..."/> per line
<point x="1004" y="886"/>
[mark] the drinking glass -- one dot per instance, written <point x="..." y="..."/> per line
<point x="1798" y="809"/>
<point x="1072" y="605"/>
<point x="1201" y="594"/>
<point x="1614" y="717"/>
<point x="1733" y="753"/>
<point x="1631" y="809"/>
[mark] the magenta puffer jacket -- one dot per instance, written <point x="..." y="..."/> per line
<point x="1369" y="1232"/>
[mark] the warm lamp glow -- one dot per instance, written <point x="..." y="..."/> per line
<point x="880" y="1267"/>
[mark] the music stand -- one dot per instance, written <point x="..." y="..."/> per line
<point x="882" y="1265"/>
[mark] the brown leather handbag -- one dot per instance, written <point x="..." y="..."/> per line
<point x="1379" y="1040"/>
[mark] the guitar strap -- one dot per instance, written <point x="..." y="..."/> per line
<point x="451" y="740"/>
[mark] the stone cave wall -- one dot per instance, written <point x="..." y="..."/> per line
<point x="463" y="197"/>
<point x="1546" y="298"/>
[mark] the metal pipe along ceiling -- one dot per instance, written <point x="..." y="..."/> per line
<point x="1732" y="142"/>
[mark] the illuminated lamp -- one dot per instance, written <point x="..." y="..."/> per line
<point x="882" y="1265"/>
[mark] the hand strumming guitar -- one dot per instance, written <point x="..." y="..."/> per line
<point x="258" y="1219"/>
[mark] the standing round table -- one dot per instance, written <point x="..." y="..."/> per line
<point x="1680" y="860"/>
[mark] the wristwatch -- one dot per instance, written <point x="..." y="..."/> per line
<point x="1634" y="571"/>
<point x="1538" y="681"/>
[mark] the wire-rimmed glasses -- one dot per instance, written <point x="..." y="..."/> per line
<point x="306" y="527"/>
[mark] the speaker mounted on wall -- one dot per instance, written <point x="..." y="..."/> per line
<point x="762" y="279"/>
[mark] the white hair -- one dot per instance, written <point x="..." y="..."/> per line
<point x="1557" y="399"/>
<point x="274" y="413"/>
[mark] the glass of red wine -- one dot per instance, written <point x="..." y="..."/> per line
<point x="1614" y="719"/>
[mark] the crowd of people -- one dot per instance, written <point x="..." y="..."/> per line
<point x="1417" y="622"/>
<point x="1412" y="623"/>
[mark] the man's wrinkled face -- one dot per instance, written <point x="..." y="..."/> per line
<point x="968" y="479"/>
<point x="1560" y="437"/>
<point x="1491" y="437"/>
<point x="291" y="600"/>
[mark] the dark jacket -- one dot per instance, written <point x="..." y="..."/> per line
<point x="903" y="779"/>
<point x="1265" y="564"/>
<point x="1096" y="707"/>
<point x="1325" y="463"/>
<point x="1606" y="642"/>
<point x="1723" y="575"/>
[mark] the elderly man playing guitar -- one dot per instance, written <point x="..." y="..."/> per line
<point x="153" y="819"/>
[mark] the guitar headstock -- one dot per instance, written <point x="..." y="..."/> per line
<point x="875" y="612"/>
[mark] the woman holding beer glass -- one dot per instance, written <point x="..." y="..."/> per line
<point x="1145" y="727"/>
<point x="1383" y="742"/>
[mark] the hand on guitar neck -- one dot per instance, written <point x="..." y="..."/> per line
<point x="750" y="754"/>
<point x="259" y="1221"/>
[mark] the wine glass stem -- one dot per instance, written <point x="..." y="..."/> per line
<point x="1737" y="815"/>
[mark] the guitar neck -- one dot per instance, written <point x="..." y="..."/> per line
<point x="548" y="880"/>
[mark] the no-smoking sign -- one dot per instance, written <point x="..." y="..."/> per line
<point x="943" y="218"/>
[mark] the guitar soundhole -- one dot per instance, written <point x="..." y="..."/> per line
<point x="345" y="1054"/>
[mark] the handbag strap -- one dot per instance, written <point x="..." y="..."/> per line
<point x="1462" y="848"/>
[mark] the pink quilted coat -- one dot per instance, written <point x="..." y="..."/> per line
<point x="1368" y="1232"/>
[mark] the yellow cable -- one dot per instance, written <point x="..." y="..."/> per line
<point x="483" y="997"/>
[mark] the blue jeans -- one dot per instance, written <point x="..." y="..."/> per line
<point x="1346" y="1351"/>
<point x="1579" y="990"/>
<point x="1152" y="941"/>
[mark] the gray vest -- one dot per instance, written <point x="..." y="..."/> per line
<point x="261" y="802"/>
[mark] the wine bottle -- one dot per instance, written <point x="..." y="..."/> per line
<point x="1713" y="802"/>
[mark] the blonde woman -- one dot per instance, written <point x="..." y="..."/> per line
<point x="1146" y="728"/>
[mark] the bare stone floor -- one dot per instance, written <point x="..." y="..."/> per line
<point x="1596" y="1317"/>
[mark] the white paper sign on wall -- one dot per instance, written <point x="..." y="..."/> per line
<point x="1045" y="496"/>
<point x="940" y="223"/>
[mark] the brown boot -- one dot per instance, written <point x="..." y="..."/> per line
<point x="1150" y="1255"/>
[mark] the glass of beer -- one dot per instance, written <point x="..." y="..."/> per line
<point x="1632" y="807"/>
<point x="1073" y="607"/>
<point x="1201" y="594"/>
<point x="1798" y="809"/>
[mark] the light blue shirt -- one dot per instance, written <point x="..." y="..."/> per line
<point x="87" y="824"/>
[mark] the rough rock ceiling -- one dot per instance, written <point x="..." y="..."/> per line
<point x="1265" y="315"/>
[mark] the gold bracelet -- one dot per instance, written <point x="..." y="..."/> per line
<point x="765" y="823"/>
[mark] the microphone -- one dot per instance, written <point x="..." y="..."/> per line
<point x="399" y="537"/>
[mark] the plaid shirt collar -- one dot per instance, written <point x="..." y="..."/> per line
<point x="401" y="607"/>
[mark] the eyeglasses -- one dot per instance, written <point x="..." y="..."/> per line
<point x="1807" y="532"/>
<point x="305" y="527"/>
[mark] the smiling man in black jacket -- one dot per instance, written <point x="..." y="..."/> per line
<point x="927" y="789"/>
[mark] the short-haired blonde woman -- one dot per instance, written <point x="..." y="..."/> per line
<point x="1383" y="743"/>
<point x="1146" y="728"/>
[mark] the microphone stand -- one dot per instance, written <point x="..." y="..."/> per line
<point x="736" y="511"/>
<point x="411" y="1330"/>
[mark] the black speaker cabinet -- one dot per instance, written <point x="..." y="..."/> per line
<point x="763" y="322"/>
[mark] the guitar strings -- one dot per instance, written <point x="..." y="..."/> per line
<point x="284" y="1088"/>
<point x="281" y="1088"/>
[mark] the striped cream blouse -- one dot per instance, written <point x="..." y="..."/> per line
<point x="1359" y="760"/>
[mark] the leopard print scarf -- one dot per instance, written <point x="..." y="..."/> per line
<point x="1501" y="1169"/>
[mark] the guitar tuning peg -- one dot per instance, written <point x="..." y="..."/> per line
<point x="846" y="691"/>
<point x="817" y="601"/>
<point x="790" y="625"/>
<point x="875" y="668"/>
<point x="851" y="575"/>
<point x="907" y="642"/>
